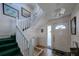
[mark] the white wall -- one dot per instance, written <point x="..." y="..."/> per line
<point x="7" y="23"/>
<point x="75" y="37"/>
<point x="42" y="36"/>
<point x="35" y="32"/>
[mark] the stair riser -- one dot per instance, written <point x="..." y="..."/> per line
<point x="6" y="42"/>
<point x="7" y="47"/>
<point x="12" y="53"/>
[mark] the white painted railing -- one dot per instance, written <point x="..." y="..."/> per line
<point x="25" y="43"/>
<point x="30" y="44"/>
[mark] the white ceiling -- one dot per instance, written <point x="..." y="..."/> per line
<point x="49" y="8"/>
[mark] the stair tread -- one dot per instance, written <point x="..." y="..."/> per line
<point x="9" y="44"/>
<point x="6" y="39"/>
<point x="8" y="51"/>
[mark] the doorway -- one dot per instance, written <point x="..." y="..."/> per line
<point x="49" y="38"/>
<point x="60" y="37"/>
<point x="49" y="41"/>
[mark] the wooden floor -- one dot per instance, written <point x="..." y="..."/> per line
<point x="47" y="51"/>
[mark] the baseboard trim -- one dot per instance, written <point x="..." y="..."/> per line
<point x="61" y="53"/>
<point x="56" y="51"/>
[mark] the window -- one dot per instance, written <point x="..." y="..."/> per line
<point x="60" y="27"/>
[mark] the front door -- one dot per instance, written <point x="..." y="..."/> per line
<point x="60" y="36"/>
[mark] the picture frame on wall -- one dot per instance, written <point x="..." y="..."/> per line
<point x="73" y="26"/>
<point x="10" y="11"/>
<point x="25" y="13"/>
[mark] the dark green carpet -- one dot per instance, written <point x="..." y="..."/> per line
<point x="9" y="47"/>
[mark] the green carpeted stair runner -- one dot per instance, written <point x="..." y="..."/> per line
<point x="9" y="47"/>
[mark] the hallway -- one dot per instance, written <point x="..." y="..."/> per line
<point x="39" y="29"/>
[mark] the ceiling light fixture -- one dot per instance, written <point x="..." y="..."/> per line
<point x="60" y="12"/>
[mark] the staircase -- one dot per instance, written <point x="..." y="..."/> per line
<point x="9" y="47"/>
